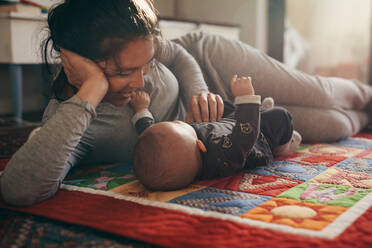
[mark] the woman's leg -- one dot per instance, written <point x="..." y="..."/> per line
<point x="221" y="58"/>
<point x="316" y="103"/>
<point x="319" y="124"/>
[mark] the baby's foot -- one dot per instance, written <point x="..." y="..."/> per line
<point x="267" y="103"/>
<point x="290" y="146"/>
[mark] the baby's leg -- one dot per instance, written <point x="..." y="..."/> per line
<point x="267" y="103"/>
<point x="220" y="58"/>
<point x="290" y="146"/>
<point x="276" y="126"/>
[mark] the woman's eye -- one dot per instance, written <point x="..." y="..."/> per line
<point x="146" y="69"/>
<point x="123" y="74"/>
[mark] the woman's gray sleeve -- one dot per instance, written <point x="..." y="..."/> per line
<point x="183" y="66"/>
<point x="37" y="169"/>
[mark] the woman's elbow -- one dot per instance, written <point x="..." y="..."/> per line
<point x="16" y="198"/>
<point x="24" y="196"/>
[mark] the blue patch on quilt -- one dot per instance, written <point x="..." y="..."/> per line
<point x="359" y="143"/>
<point x="222" y="201"/>
<point x="356" y="165"/>
<point x="290" y="170"/>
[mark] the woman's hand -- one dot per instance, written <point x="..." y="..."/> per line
<point x="85" y="75"/>
<point x="205" y="107"/>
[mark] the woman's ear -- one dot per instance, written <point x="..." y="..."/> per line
<point x="201" y="145"/>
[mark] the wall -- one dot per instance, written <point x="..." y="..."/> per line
<point x="248" y="14"/>
<point x="338" y="33"/>
<point x="165" y="7"/>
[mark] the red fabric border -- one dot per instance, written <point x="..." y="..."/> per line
<point x="3" y="163"/>
<point x="173" y="228"/>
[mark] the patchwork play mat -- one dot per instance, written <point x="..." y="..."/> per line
<point x="318" y="196"/>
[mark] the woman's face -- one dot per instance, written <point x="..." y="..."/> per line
<point x="126" y="73"/>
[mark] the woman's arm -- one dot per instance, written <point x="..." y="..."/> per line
<point x="203" y="105"/>
<point x="37" y="169"/>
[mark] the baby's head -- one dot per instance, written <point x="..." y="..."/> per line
<point x="167" y="156"/>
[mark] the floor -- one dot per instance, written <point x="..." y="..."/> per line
<point x="29" y="118"/>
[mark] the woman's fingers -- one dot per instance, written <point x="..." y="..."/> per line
<point x="220" y="107"/>
<point x="189" y="117"/>
<point x="205" y="107"/>
<point x="216" y="107"/>
<point x="70" y="55"/>
<point x="79" y="69"/>
<point x="212" y="103"/>
<point x="64" y="61"/>
<point x="67" y="67"/>
<point x="195" y="109"/>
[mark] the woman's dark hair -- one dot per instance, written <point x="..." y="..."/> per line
<point x="95" y="29"/>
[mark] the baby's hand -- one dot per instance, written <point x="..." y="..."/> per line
<point x="241" y="86"/>
<point x="140" y="101"/>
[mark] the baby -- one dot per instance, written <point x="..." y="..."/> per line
<point x="171" y="155"/>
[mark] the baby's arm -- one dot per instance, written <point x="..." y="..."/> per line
<point x="233" y="149"/>
<point x="140" y="101"/>
<point x="247" y="127"/>
<point x="241" y="86"/>
<point x="143" y="118"/>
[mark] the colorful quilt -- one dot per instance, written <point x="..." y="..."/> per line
<point x="318" y="196"/>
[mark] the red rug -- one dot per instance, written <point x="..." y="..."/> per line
<point x="319" y="196"/>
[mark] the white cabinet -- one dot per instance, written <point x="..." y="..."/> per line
<point x="173" y="28"/>
<point x="21" y="35"/>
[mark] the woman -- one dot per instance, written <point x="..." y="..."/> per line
<point x="108" y="50"/>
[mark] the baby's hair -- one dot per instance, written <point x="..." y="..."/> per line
<point x="148" y="161"/>
<point x="156" y="165"/>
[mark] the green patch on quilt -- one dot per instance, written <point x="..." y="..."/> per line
<point x="327" y="194"/>
<point x="302" y="147"/>
<point x="102" y="180"/>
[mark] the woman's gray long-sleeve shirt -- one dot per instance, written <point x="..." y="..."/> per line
<point x="73" y="131"/>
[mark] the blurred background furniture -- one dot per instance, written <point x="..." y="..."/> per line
<point x="19" y="45"/>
